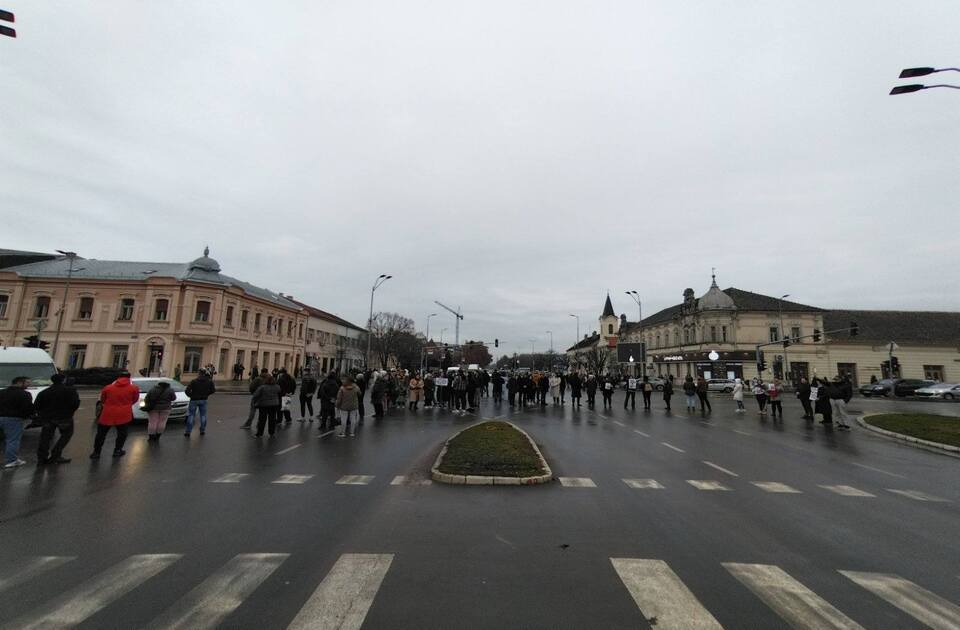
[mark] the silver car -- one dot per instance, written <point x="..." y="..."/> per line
<point x="724" y="385"/>
<point x="947" y="391"/>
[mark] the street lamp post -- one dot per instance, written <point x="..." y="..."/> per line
<point x="425" y="360"/>
<point x="550" y="332"/>
<point x="577" y="340"/>
<point x="376" y="285"/>
<point x="71" y="256"/>
<point x="908" y="73"/>
<point x="786" y="363"/>
<point x="643" y="344"/>
<point x="533" y="363"/>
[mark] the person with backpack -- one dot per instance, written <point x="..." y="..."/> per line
<point x="690" y="391"/>
<point x="631" y="393"/>
<point x="702" y="391"/>
<point x="308" y="387"/>
<point x="199" y="390"/>
<point x="668" y="391"/>
<point x="647" y="391"/>
<point x="55" y="407"/>
<point x="157" y="404"/>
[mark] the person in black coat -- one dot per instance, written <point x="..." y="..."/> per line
<point x="55" y="407"/>
<point x="668" y="391"/>
<point x="308" y="387"/>
<point x="288" y="385"/>
<point x="803" y="393"/>
<point x="591" y="386"/>
<point x="576" y="385"/>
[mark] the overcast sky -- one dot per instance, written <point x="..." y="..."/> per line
<point x="517" y="159"/>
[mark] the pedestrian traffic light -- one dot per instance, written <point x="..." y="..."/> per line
<point x="816" y="335"/>
<point x="496" y="343"/>
<point x="761" y="362"/>
<point x="7" y="16"/>
<point x="854" y="329"/>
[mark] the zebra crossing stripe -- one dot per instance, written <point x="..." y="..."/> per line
<point x="34" y="567"/>
<point x="848" y="491"/>
<point x="345" y="595"/>
<point x="403" y="480"/>
<point x="211" y="601"/>
<point x="292" y="479"/>
<point x="775" y="486"/>
<point x="794" y="602"/>
<point x="643" y="484"/>
<point x="576" y="482"/>
<point x="355" y="480"/>
<point x="230" y="478"/>
<point x="924" y="606"/>
<point x="661" y="596"/>
<point x="707" y="485"/>
<point x="77" y="604"/>
<point x="916" y="495"/>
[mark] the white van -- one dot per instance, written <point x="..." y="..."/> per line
<point x="33" y="363"/>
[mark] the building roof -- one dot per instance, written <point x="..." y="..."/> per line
<point x="608" y="308"/>
<point x="715" y="299"/>
<point x="586" y="342"/>
<point x="903" y="327"/>
<point x="203" y="269"/>
<point x="14" y="257"/>
<point x="321" y="314"/>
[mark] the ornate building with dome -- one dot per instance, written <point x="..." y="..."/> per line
<point x="150" y="318"/>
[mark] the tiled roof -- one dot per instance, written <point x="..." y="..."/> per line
<point x="902" y="327"/>
<point x="587" y="342"/>
<point x="91" y="269"/>
<point x="330" y="317"/>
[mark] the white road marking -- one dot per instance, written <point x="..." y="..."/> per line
<point x="741" y="432"/>
<point x="211" y="601"/>
<point x="230" y="478"/>
<point x="668" y="445"/>
<point x="641" y="433"/>
<point x="617" y="422"/>
<point x="576" y="482"/>
<point x="848" y="491"/>
<point x="403" y="480"/>
<point x="775" y="486"/>
<point x="323" y="435"/>
<point x="287" y="450"/>
<point x="919" y="603"/>
<point x="11" y="577"/>
<point x="794" y="602"/>
<point x="721" y="469"/>
<point x="292" y="479"/>
<point x="707" y="485"/>
<point x="916" y="495"/>
<point x="345" y="595"/>
<point x="661" y="596"/>
<point x="643" y="484"/>
<point x="355" y="480"/>
<point x="878" y="470"/>
<point x="79" y="603"/>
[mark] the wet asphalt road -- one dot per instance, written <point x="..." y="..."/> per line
<point x="487" y="557"/>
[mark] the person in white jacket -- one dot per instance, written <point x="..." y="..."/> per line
<point x="738" y="395"/>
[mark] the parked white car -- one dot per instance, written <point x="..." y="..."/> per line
<point x="947" y="391"/>
<point x="178" y="411"/>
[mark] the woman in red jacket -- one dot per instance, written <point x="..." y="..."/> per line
<point x="117" y="400"/>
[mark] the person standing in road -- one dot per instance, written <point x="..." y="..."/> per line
<point x="327" y="394"/>
<point x="773" y="393"/>
<point x="840" y="395"/>
<point x="429" y="389"/>
<point x="563" y="389"/>
<point x="157" y="404"/>
<point x="554" y="382"/>
<point x="288" y="385"/>
<point x="378" y="390"/>
<point x="823" y="405"/>
<point x="760" y="393"/>
<point x="668" y="391"/>
<point x="255" y="383"/>
<point x="55" y="407"/>
<point x="497" y="381"/>
<point x="416" y="391"/>
<point x="607" y="391"/>
<point x="690" y="391"/>
<point x="267" y="401"/>
<point x="576" y="386"/>
<point x="116" y="410"/>
<point x="647" y="391"/>
<point x="591" y="386"/>
<point x="308" y="387"/>
<point x="199" y="390"/>
<point x="738" y="395"/>
<point x="16" y="406"/>
<point x="360" y="380"/>
<point x="702" y="391"/>
<point x="631" y="393"/>
<point x="348" y="399"/>
<point x="544" y="386"/>
<point x="803" y="393"/>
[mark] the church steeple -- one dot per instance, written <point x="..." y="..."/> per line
<point x="608" y="309"/>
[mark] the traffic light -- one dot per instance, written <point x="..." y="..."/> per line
<point x="894" y="366"/>
<point x="496" y="343"/>
<point x="816" y="335"/>
<point x="761" y="362"/>
<point x="7" y="16"/>
<point x="854" y="329"/>
<point x="34" y="342"/>
<point x="786" y="342"/>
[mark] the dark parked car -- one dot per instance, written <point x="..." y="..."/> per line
<point x="907" y="386"/>
<point x="880" y="388"/>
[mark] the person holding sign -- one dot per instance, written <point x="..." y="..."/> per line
<point x="631" y="396"/>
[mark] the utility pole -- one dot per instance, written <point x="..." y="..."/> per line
<point x="71" y="256"/>
<point x="457" y="317"/>
<point x="643" y="344"/>
<point x="785" y="338"/>
<point x="550" y="332"/>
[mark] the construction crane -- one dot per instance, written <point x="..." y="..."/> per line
<point x="457" y="315"/>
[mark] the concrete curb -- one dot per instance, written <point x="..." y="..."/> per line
<point x="490" y="480"/>
<point x="927" y="445"/>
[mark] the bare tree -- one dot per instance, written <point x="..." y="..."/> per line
<point x="596" y="359"/>
<point x="391" y="335"/>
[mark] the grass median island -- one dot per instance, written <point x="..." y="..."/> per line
<point x="492" y="449"/>
<point x="942" y="429"/>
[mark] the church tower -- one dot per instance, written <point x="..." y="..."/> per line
<point x="609" y="324"/>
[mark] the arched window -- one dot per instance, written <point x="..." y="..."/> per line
<point x="658" y="342"/>
<point x="609" y="329"/>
